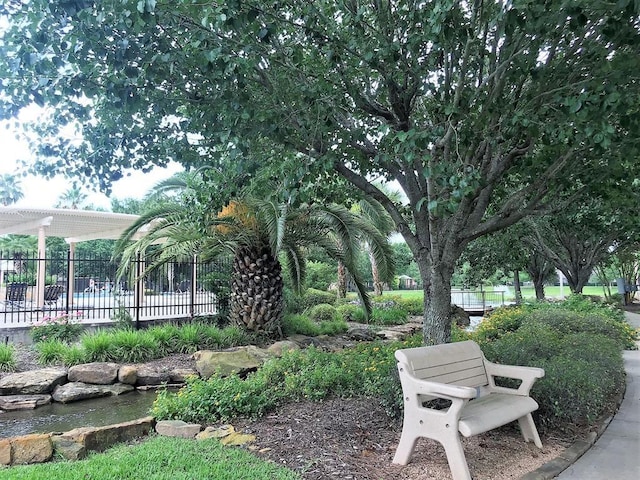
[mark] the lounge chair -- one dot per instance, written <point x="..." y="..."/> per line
<point x="16" y="295"/>
<point x="52" y="294"/>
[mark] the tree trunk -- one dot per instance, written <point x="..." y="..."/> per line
<point x="538" y="285"/>
<point x="342" y="280"/>
<point x="436" y="328"/>
<point x="516" y="283"/>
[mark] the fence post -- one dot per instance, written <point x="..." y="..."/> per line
<point x="139" y="289"/>
<point x="194" y="279"/>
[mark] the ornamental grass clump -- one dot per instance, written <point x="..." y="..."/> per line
<point x="7" y="358"/>
<point x="64" y="327"/>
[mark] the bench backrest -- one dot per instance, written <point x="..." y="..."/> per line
<point x="460" y="363"/>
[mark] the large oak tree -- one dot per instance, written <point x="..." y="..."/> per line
<point x="481" y="110"/>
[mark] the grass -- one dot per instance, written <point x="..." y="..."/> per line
<point x="7" y="358"/>
<point x="159" y="458"/>
<point x="551" y="291"/>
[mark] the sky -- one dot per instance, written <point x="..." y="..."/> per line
<point x="43" y="193"/>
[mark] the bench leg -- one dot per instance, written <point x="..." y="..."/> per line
<point x="405" y="446"/>
<point x="529" y="431"/>
<point x="456" y="458"/>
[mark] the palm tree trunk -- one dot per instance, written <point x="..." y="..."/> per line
<point x="256" y="300"/>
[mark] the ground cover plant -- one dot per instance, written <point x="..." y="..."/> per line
<point x="159" y="458"/>
<point x="367" y="369"/>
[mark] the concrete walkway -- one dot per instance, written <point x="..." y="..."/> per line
<point x="616" y="454"/>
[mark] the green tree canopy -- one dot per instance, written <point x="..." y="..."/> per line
<point x="482" y="111"/>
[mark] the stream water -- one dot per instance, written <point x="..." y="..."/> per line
<point x="59" y="417"/>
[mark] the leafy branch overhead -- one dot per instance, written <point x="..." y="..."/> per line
<point x="484" y="112"/>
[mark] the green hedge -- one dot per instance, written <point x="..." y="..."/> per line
<point x="579" y="344"/>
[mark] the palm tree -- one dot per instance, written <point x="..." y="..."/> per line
<point x="259" y="234"/>
<point x="72" y="198"/>
<point x="10" y="189"/>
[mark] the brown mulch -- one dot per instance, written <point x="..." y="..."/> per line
<point x="354" y="439"/>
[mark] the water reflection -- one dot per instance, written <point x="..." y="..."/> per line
<point x="58" y="417"/>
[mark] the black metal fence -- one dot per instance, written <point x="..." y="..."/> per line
<point x="90" y="289"/>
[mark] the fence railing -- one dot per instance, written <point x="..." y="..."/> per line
<point x="89" y="288"/>
<point x="477" y="301"/>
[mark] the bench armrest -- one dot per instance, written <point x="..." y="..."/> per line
<point x="434" y="389"/>
<point x="528" y="375"/>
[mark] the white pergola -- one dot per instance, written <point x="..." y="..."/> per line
<point x="72" y="225"/>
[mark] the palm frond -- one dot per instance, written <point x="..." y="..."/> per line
<point x="297" y="267"/>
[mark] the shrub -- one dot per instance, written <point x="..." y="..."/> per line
<point x="74" y="355"/>
<point x="364" y="370"/>
<point x="234" y="336"/>
<point x="98" y="346"/>
<point x="311" y="298"/>
<point x="133" y="346"/>
<point x="351" y="312"/>
<point x="576" y="390"/>
<point x="164" y="337"/>
<point x="412" y="305"/>
<point x="299" y="324"/>
<point x="497" y="323"/>
<point x="63" y="327"/>
<point x="566" y="322"/>
<point x="320" y="275"/>
<point x="322" y="313"/>
<point x="188" y="339"/>
<point x="333" y="327"/>
<point x="51" y="351"/>
<point x="7" y="358"/>
<point x="122" y="319"/>
<point x="583" y="370"/>
<point x="388" y="316"/>
<point x="303" y="325"/>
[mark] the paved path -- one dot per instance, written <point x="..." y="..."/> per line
<point x="616" y="454"/>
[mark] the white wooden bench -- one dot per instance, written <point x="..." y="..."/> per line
<point x="459" y="373"/>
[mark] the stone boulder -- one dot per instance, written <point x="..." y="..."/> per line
<point x="98" y="373"/>
<point x="77" y="442"/>
<point x="116" y="389"/>
<point x="240" y="360"/>
<point x="459" y="316"/>
<point x="151" y="376"/>
<point x="35" y="448"/>
<point x="23" y="402"/>
<point x="33" y="382"/>
<point x="177" y="428"/>
<point x="179" y="375"/>
<point x="5" y="451"/>
<point x="68" y="448"/>
<point x="74" y="391"/>
<point x="128" y="374"/>
<point x="278" y="348"/>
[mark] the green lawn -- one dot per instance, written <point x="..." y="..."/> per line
<point x="159" y="458"/>
<point x="527" y="292"/>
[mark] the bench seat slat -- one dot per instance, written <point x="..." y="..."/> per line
<point x="493" y="411"/>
